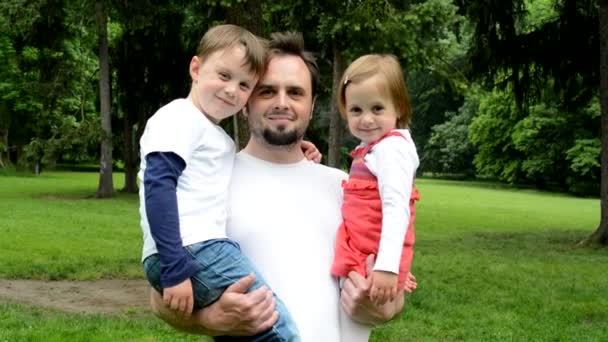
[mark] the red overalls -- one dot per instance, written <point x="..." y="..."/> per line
<point x="359" y="233"/>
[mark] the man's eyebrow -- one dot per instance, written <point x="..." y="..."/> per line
<point x="264" y="86"/>
<point x="297" y="88"/>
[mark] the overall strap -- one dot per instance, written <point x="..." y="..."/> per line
<point x="362" y="151"/>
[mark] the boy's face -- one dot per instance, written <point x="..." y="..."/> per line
<point x="222" y="83"/>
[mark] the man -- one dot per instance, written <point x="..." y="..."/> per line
<point x="284" y="212"/>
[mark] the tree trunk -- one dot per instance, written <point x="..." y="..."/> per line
<point x="4" y="129"/>
<point x="247" y="14"/>
<point x="129" y="156"/>
<point x="106" y="185"/>
<point x="601" y="233"/>
<point x="335" y="121"/>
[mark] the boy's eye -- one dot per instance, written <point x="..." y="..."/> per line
<point x="224" y="76"/>
<point x="244" y="86"/>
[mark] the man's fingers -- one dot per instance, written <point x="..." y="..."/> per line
<point x="261" y="296"/>
<point x="358" y="281"/>
<point x="242" y="285"/>
<point x="269" y="322"/>
<point x="369" y="264"/>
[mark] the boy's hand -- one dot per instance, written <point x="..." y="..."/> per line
<point x="310" y="151"/>
<point x="180" y="298"/>
<point x="384" y="287"/>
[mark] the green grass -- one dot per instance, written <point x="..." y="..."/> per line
<point x="53" y="228"/>
<point x="19" y="323"/>
<point x="493" y="263"/>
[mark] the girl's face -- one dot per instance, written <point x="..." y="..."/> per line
<point x="369" y="109"/>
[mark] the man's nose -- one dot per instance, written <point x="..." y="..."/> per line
<point x="282" y="100"/>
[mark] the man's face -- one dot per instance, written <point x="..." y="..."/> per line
<point x="280" y="106"/>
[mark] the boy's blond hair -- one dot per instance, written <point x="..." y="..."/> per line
<point x="388" y="67"/>
<point x="226" y="36"/>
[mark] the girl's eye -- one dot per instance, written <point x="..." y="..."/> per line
<point x="224" y="76"/>
<point x="355" y="111"/>
<point x="244" y="86"/>
<point x="377" y="108"/>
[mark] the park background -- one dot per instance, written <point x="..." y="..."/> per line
<point x="510" y="120"/>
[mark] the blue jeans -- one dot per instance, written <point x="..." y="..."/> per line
<point x="222" y="265"/>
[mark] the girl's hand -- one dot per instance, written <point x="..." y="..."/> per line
<point x="384" y="287"/>
<point x="310" y="151"/>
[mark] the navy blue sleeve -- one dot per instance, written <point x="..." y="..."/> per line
<point x="160" y="185"/>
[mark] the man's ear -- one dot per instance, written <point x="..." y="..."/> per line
<point x="194" y="68"/>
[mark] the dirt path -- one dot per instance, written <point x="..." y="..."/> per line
<point x="102" y="296"/>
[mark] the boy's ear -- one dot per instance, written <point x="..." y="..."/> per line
<point x="194" y="68"/>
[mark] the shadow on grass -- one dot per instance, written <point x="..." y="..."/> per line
<point x="83" y="195"/>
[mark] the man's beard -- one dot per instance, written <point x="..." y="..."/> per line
<point x="281" y="137"/>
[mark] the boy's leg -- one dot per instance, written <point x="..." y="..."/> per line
<point x="223" y="264"/>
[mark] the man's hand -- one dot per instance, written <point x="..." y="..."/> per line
<point x="310" y="151"/>
<point x="180" y="298"/>
<point x="356" y="302"/>
<point x="235" y="313"/>
<point x="384" y="287"/>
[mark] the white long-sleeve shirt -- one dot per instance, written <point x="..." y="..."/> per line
<point x="394" y="162"/>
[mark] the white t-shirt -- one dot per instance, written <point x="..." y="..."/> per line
<point x="285" y="218"/>
<point x="202" y="188"/>
<point x="394" y="162"/>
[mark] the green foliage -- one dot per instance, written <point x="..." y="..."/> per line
<point x="449" y="149"/>
<point x="490" y="131"/>
<point x="547" y="145"/>
<point x="48" y="69"/>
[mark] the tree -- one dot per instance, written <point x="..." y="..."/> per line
<point x="247" y="14"/>
<point x="154" y="38"/>
<point x="106" y="184"/>
<point x="526" y="57"/>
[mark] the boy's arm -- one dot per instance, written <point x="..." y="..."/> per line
<point x="160" y="182"/>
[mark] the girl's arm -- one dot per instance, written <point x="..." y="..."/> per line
<point x="394" y="162"/>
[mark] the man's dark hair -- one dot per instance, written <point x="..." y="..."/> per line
<point x="292" y="43"/>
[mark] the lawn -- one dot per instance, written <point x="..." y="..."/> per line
<point x="493" y="263"/>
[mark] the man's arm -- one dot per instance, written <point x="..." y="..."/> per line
<point x="355" y="299"/>
<point x="235" y="313"/>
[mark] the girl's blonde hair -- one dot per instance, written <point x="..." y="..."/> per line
<point x="388" y="67"/>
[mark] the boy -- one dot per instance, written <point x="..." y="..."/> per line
<point x="186" y="165"/>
